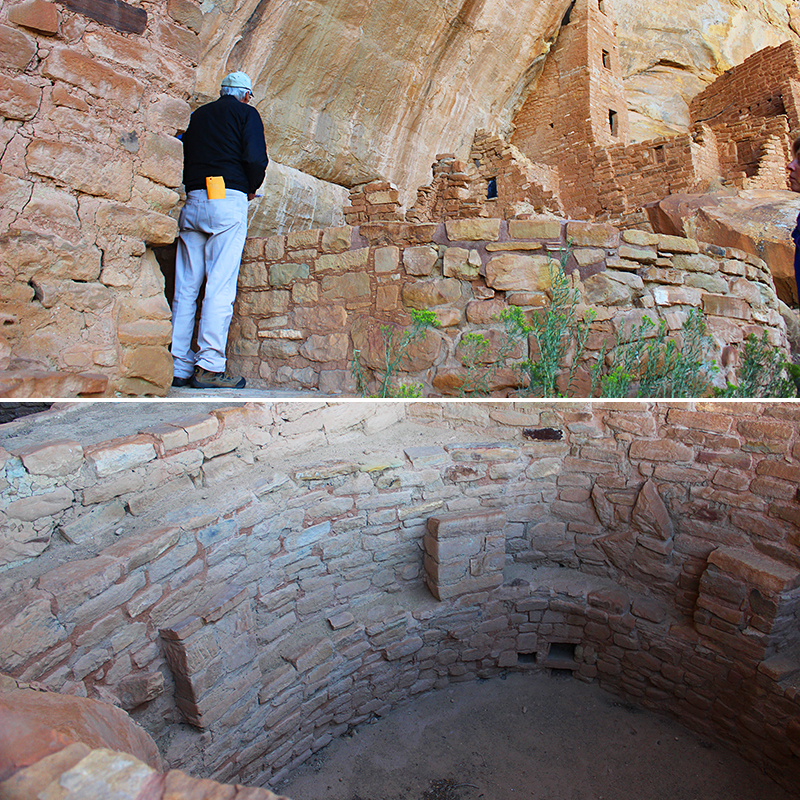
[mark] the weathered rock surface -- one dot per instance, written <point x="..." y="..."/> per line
<point x="665" y="64"/>
<point x="36" y="724"/>
<point x="756" y="221"/>
<point x="350" y="91"/>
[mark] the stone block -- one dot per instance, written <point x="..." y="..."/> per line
<point x="16" y="48"/>
<point x="89" y="525"/>
<point x="348" y="261"/>
<point x="81" y="167"/>
<point x="677" y="295"/>
<point x="696" y="263"/>
<point x="19" y="99"/>
<point x="755" y="569"/>
<point x="588" y="234"/>
<point x="123" y="454"/>
<point x="27" y="628"/>
<point x="726" y="306"/>
<point x="41" y="505"/>
<point x="55" y="459"/>
<point x="353" y="289"/>
<point x="336" y="240"/>
<point x="420" y="260"/>
<point x="676" y="244"/>
<point x="285" y="274"/>
<point x="326" y="347"/>
<point x="169" y="114"/>
<point x="462" y="264"/>
<point x="98" y="79"/>
<point x="147" y="226"/>
<point x="162" y="159"/>
<point x="516" y="272"/>
<point x="473" y="230"/>
<point x="387" y="259"/>
<point x="36" y="15"/>
<point x="426" y="294"/>
<point x="539" y="228"/>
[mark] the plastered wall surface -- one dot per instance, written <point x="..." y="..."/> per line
<point x="254" y="581"/>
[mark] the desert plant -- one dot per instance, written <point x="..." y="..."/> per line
<point x="661" y="367"/>
<point x="763" y="372"/>
<point x="396" y="342"/>
<point x="557" y="328"/>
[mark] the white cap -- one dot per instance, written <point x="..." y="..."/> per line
<point x="238" y="80"/>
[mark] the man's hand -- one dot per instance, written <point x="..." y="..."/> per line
<point x="251" y="197"/>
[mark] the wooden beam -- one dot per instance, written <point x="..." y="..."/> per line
<point x="114" y="13"/>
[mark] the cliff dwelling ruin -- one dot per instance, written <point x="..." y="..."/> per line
<point x="536" y="133"/>
<point x="253" y="582"/>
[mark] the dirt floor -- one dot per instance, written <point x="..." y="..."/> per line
<point x="528" y="737"/>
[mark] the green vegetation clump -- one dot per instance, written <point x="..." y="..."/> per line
<point x="395" y="346"/>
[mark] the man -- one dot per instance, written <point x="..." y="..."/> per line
<point x="794" y="184"/>
<point x="224" y="140"/>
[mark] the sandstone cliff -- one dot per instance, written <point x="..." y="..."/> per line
<point x="350" y="90"/>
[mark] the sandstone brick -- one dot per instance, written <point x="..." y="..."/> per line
<point x="162" y="159"/>
<point x="765" y="436"/>
<point x="387" y="259"/>
<point x="37" y="15"/>
<point x="19" y="99"/>
<point x="542" y="228"/>
<point x="512" y="271"/>
<point x="148" y="226"/>
<point x="426" y="294"/>
<point x="420" y="260"/>
<point x="726" y="306"/>
<point x="587" y="234"/>
<point x="169" y="114"/>
<point x="40" y="505"/>
<point x="755" y="569"/>
<point x="81" y="168"/>
<point x="343" y="262"/>
<point x="67" y="64"/>
<point x="353" y="288"/>
<point x="462" y="264"/>
<point x="660" y="450"/>
<point x="326" y="347"/>
<point x="57" y="458"/>
<point x="473" y="230"/>
<point x="16" y="48"/>
<point x="124" y="454"/>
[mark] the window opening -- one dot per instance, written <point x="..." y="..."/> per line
<point x="659" y="152"/>
<point x="606" y="59"/>
<point x="600" y="6"/>
<point x="612" y="121"/>
<point x="491" y="189"/>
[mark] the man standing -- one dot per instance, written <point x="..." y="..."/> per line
<point x="224" y="163"/>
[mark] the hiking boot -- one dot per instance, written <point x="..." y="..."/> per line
<point x="203" y="379"/>
<point x="181" y="382"/>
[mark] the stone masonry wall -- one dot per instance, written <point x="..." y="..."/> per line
<point x="93" y="95"/>
<point x="754" y="88"/>
<point x="307" y="300"/>
<point x="260" y="572"/>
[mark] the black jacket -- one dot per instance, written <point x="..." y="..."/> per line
<point x="225" y="138"/>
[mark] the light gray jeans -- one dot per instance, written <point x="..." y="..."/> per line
<point x="212" y="236"/>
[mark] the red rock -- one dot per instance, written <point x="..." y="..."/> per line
<point x="38" y="15"/>
<point x="38" y="724"/>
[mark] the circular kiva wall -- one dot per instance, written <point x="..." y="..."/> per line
<point x="252" y="582"/>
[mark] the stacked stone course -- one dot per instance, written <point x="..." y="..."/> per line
<point x="308" y="300"/>
<point x="94" y="94"/>
<point x="651" y="547"/>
